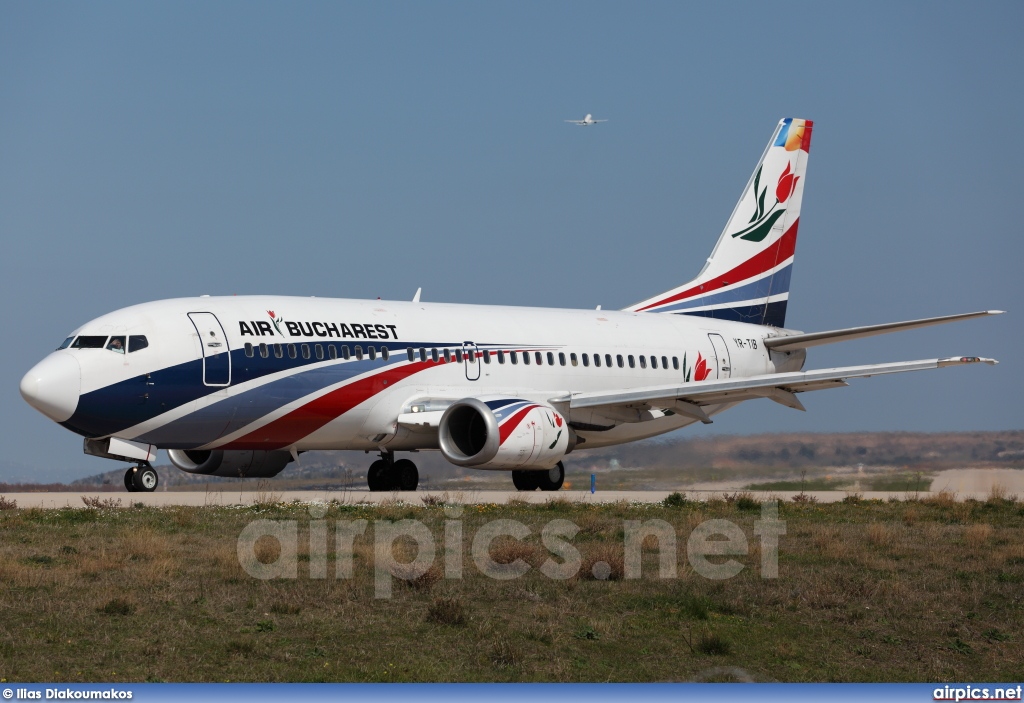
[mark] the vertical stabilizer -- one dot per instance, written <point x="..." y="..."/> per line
<point x="746" y="278"/>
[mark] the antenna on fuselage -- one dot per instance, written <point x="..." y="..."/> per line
<point x="416" y="298"/>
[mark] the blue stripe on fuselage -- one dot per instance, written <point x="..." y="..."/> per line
<point x="109" y="410"/>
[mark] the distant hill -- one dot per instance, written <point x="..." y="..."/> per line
<point x="647" y="464"/>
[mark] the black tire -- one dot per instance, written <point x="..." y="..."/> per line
<point x="524" y="480"/>
<point x="552" y="479"/>
<point x="378" y="475"/>
<point x="129" y="486"/>
<point x="145" y="480"/>
<point x="405" y="475"/>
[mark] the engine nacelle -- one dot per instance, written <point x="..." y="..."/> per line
<point x="504" y="433"/>
<point x="239" y="463"/>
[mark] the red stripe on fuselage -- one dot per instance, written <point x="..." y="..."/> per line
<point x="304" y="420"/>
<point x="512" y="423"/>
<point x="763" y="261"/>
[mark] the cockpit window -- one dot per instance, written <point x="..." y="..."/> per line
<point x="89" y="342"/>
<point x="116" y="344"/>
<point x="66" y="344"/>
<point x="137" y="342"/>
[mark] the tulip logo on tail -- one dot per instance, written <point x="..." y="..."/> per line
<point x="555" y="421"/>
<point x="277" y="321"/>
<point x="761" y="222"/>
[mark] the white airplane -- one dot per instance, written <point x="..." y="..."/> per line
<point x="586" y="121"/>
<point x="241" y="386"/>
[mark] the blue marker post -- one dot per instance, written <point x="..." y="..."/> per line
<point x="593" y="483"/>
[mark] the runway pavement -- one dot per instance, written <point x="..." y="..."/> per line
<point x="224" y="498"/>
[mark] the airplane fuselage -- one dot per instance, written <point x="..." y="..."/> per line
<point x="222" y="373"/>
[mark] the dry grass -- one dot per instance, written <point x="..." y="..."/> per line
<point x="7" y="503"/>
<point x="977" y="536"/>
<point x="864" y="593"/>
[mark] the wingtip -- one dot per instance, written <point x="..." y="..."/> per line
<point x="995" y="312"/>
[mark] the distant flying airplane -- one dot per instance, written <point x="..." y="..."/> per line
<point x="241" y="386"/>
<point x="586" y="121"/>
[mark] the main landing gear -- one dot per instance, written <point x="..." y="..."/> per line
<point x="141" y="478"/>
<point x="386" y="474"/>
<point x="550" y="480"/>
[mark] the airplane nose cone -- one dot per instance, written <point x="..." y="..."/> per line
<point x="53" y="385"/>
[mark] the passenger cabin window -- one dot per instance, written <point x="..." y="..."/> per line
<point x="446" y="355"/>
<point x="423" y="354"/>
<point x="675" y="362"/>
<point x="248" y="349"/>
<point x="608" y="360"/>
<point x="359" y="352"/>
<point x="586" y="359"/>
<point x="410" y="353"/>
<point x="526" y="358"/>
<point x="433" y="355"/>
<point x="293" y="353"/>
<point x="458" y="355"/>
<point x="305" y="351"/>
<point x="551" y="359"/>
<point x="654" y="362"/>
<point x="66" y="343"/>
<point x="319" y="348"/>
<point x="664" y="363"/>
<point x="618" y="360"/>
<point x="345" y="353"/>
<point x="643" y="361"/>
<point x="572" y="359"/>
<point x="264" y="351"/>
<point x="372" y="351"/>
<point x="632" y="362"/>
<point x="137" y="342"/>
<point x="278" y="351"/>
<point x="487" y="357"/>
<point x="89" y="342"/>
<point x="561" y="358"/>
<point x="501" y="356"/>
<point x="332" y="351"/>
<point x="384" y="353"/>
<point x="597" y="360"/>
<point x="513" y="357"/>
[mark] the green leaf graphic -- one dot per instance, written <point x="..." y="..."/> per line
<point x="757" y="184"/>
<point x="760" y="230"/>
<point x="552" y="446"/>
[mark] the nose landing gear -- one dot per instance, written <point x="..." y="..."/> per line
<point x="386" y="474"/>
<point x="141" y="479"/>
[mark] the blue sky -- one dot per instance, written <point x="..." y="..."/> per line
<point x="153" y="150"/>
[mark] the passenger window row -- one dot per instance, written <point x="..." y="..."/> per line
<point x="308" y="351"/>
<point x="539" y="358"/>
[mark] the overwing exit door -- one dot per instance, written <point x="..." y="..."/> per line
<point x="216" y="353"/>
<point x="471" y="360"/>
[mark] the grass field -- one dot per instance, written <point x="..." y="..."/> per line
<point x="867" y="591"/>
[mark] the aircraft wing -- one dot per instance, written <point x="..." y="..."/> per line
<point x="688" y="398"/>
<point x="575" y="121"/>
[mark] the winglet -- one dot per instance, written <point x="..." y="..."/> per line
<point x="959" y="360"/>
<point x="416" y="298"/>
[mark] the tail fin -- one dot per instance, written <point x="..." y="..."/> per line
<point x="747" y="276"/>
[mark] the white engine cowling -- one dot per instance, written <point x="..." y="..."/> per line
<point x="504" y="433"/>
<point x="239" y="463"/>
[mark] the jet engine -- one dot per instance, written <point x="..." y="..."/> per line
<point x="504" y="433"/>
<point x="239" y="463"/>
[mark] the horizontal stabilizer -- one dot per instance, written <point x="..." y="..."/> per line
<point x="815" y="339"/>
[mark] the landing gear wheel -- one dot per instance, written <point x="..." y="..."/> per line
<point x="144" y="479"/>
<point x="405" y="475"/>
<point x="379" y="475"/>
<point x="129" y="486"/>
<point x="552" y="479"/>
<point x="525" y="480"/>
